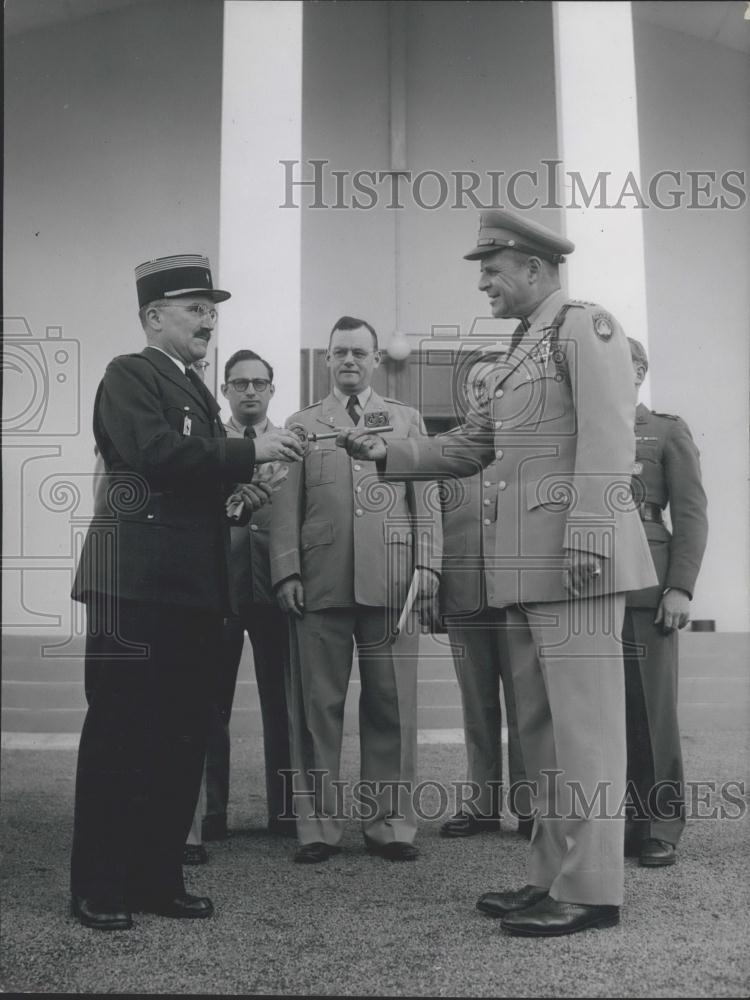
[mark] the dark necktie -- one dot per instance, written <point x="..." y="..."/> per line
<point x="518" y="333"/>
<point x="351" y="409"/>
<point x="250" y="432"/>
<point x="194" y="378"/>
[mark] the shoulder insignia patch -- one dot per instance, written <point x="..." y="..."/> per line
<point x="603" y="327"/>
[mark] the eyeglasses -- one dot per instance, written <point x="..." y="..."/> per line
<point x="241" y="384"/>
<point x="198" y="309"/>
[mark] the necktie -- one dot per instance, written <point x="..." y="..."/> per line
<point x="194" y="378"/>
<point x="518" y="333"/>
<point x="351" y="408"/>
<point x="250" y="432"/>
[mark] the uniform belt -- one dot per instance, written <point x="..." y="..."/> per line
<point x="650" y="512"/>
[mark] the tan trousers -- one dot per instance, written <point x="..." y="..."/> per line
<point x="568" y="676"/>
<point x="322" y="647"/>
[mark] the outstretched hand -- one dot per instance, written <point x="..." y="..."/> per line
<point x="362" y="444"/>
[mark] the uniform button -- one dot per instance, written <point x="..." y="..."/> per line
<point x="499" y="453"/>
<point x="149" y="517"/>
<point x="253" y="527"/>
<point x="357" y="468"/>
<point x="359" y="489"/>
<point x="487" y="482"/>
<point x="498" y="423"/>
<point x="316" y="448"/>
<point x="499" y="393"/>
<point x="502" y="484"/>
<point x="359" y="512"/>
<point x="486" y="521"/>
<point x="487" y="502"/>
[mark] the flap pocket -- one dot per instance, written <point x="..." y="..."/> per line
<point x="316" y="533"/>
<point x="397" y="534"/>
<point x="320" y="466"/>
<point x="551" y="492"/>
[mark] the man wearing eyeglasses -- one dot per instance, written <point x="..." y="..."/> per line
<point x="248" y="388"/>
<point x="153" y="575"/>
<point x="344" y="551"/>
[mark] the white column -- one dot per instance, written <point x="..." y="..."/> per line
<point x="260" y="242"/>
<point x="597" y="124"/>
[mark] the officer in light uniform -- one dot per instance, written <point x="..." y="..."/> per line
<point x="560" y="424"/>
<point x="666" y="472"/>
<point x="344" y="548"/>
<point x="477" y="635"/>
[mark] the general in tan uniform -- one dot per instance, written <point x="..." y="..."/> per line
<point x="344" y="547"/>
<point x="560" y="425"/>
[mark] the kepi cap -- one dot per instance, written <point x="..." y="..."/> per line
<point x="169" y="277"/>
<point x="500" y="228"/>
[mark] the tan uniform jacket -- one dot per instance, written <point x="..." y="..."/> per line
<point x="560" y="425"/>
<point x="352" y="538"/>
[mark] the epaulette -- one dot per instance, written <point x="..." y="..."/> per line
<point x="581" y="304"/>
<point x="398" y="402"/>
<point x="669" y="416"/>
<point x="310" y="406"/>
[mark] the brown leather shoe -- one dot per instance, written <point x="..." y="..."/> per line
<point x="499" y="904"/>
<point x="467" y="825"/>
<point x="101" y="914"/>
<point x="552" y="918"/>
<point x="657" y="854"/>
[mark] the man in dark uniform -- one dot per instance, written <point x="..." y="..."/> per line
<point x="153" y="575"/>
<point x="248" y="388"/>
<point x="667" y="472"/>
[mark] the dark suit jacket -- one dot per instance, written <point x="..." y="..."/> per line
<point x="667" y="472"/>
<point x="249" y="559"/>
<point x="161" y="536"/>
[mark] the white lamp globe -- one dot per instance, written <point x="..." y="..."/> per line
<point x="398" y="347"/>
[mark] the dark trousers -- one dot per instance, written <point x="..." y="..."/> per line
<point x="142" y="746"/>
<point x="653" y="734"/>
<point x="268" y="630"/>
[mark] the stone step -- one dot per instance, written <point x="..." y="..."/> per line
<point x="45" y="693"/>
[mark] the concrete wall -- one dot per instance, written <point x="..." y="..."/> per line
<point x="112" y="157"/>
<point x="692" y="106"/>
<point x="471" y="104"/>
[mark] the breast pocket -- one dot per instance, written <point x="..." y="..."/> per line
<point x="320" y="467"/>
<point x="536" y="399"/>
<point x="188" y="421"/>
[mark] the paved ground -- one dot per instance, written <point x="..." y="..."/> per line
<point x="361" y="926"/>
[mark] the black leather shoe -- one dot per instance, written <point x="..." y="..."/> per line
<point x="182" y="907"/>
<point x="101" y="914"/>
<point x="657" y="854"/>
<point x="397" y="850"/>
<point x="525" y="828"/>
<point x="194" y="854"/>
<point x="214" y="828"/>
<point x="311" y="854"/>
<point x="467" y="825"/>
<point x="498" y="904"/>
<point x="551" y="918"/>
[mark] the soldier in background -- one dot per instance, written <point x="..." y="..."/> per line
<point x="667" y="472"/>
<point x="478" y="640"/>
